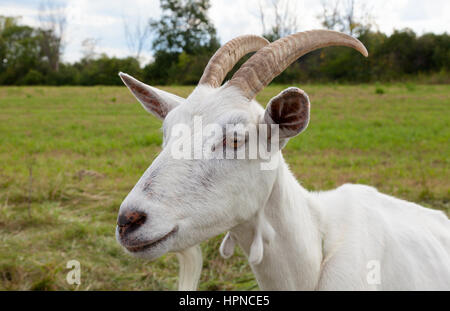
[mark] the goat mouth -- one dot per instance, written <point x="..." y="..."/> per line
<point x="152" y="243"/>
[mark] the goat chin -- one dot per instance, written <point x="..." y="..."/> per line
<point x="191" y="262"/>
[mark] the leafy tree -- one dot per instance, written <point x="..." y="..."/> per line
<point x="157" y="72"/>
<point x="103" y="71"/>
<point x="397" y="53"/>
<point x="183" y="33"/>
<point x="184" y="27"/>
<point x="19" y="51"/>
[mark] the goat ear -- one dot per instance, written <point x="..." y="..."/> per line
<point x="155" y="101"/>
<point x="290" y="110"/>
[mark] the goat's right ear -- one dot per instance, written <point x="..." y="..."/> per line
<point x="290" y="110"/>
<point x="155" y="101"/>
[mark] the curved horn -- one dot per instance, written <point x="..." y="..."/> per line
<point x="270" y="61"/>
<point x="228" y="55"/>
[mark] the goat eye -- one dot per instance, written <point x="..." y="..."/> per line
<point x="235" y="143"/>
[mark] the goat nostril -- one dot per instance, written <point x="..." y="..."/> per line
<point x="122" y="221"/>
<point x="130" y="221"/>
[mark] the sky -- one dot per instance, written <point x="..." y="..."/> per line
<point x="103" y="20"/>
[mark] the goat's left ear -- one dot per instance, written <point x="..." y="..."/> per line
<point x="290" y="110"/>
<point x="155" y="101"/>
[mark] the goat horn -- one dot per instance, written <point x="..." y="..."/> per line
<point x="228" y="55"/>
<point x="270" y="61"/>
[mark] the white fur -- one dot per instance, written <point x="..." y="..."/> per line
<point x="227" y="246"/>
<point x="295" y="239"/>
<point x="190" y="268"/>
<point x="325" y="240"/>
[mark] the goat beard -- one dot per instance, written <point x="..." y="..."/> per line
<point x="191" y="262"/>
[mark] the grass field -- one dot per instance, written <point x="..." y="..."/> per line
<point x="69" y="155"/>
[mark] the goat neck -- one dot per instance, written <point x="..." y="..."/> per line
<point x="294" y="248"/>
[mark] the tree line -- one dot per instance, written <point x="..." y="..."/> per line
<point x="185" y="39"/>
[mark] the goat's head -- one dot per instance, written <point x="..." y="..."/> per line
<point x="182" y="201"/>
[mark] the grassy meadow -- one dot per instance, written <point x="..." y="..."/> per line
<point x="69" y="156"/>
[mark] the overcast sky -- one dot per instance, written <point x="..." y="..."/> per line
<point x="103" y="19"/>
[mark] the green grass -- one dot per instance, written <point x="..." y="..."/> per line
<point x="68" y="157"/>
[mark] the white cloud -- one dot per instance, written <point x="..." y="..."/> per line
<point x="234" y="18"/>
<point x="28" y="15"/>
<point x="420" y="16"/>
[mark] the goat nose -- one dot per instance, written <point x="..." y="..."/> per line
<point x="130" y="221"/>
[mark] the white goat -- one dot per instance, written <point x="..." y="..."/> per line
<point x="350" y="238"/>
